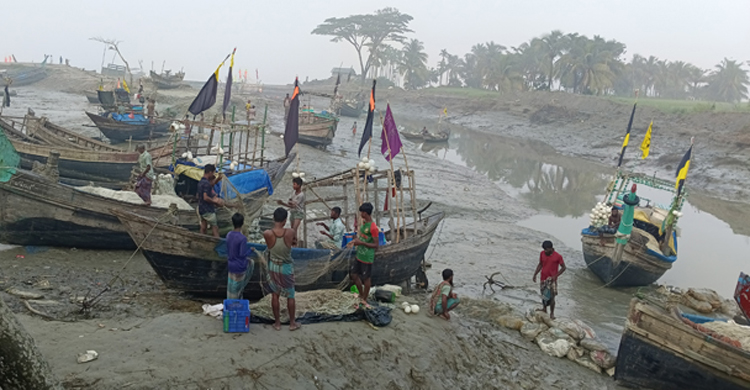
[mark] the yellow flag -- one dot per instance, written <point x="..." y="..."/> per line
<point x="125" y="86"/>
<point x="646" y="144"/>
<point x="445" y="111"/>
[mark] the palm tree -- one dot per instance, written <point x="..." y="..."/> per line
<point x="552" y="46"/>
<point x="454" y="70"/>
<point x="443" y="64"/>
<point x="728" y="82"/>
<point x="413" y="66"/>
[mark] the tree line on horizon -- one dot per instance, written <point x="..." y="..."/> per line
<point x="570" y="62"/>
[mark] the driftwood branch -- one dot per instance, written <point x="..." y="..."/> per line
<point x="114" y="45"/>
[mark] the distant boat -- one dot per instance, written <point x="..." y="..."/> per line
<point x="352" y="108"/>
<point x="92" y="96"/>
<point x="27" y="76"/>
<point x="429" y="137"/>
<point x="317" y="129"/>
<point x="137" y="128"/>
<point x="167" y="80"/>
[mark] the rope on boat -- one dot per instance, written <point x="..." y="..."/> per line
<point x="87" y="304"/>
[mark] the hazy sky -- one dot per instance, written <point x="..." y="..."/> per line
<point x="274" y="36"/>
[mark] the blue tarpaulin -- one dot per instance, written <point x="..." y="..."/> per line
<point x="137" y="119"/>
<point x="248" y="182"/>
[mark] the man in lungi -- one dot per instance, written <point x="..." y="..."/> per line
<point x="281" y="267"/>
<point x="551" y="265"/>
<point x="146" y="178"/>
<point x="239" y="267"/>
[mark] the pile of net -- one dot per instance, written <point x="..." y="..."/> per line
<point x="703" y="300"/>
<point x="320" y="306"/>
<point x="158" y="201"/>
<point x="732" y="330"/>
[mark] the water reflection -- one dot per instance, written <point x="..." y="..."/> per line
<point x="545" y="179"/>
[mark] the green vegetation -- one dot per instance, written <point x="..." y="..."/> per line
<point x="556" y="61"/>
<point x="672" y="106"/>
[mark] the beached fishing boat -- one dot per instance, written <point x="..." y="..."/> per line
<point x="352" y="108"/>
<point x="35" y="210"/>
<point x="197" y="263"/>
<point x="92" y="96"/>
<point x="167" y="80"/>
<point x="742" y="294"/>
<point x="644" y="246"/>
<point x="136" y="128"/>
<point x="317" y="129"/>
<point x="27" y="76"/>
<point x="81" y="158"/>
<point x="662" y="349"/>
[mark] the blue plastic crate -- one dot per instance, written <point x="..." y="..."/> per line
<point x="236" y="316"/>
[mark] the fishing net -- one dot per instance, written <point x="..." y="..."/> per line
<point x="312" y="306"/>
<point x="9" y="159"/>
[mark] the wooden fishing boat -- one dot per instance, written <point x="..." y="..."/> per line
<point x="661" y="349"/>
<point x="92" y="96"/>
<point x="428" y="138"/>
<point x="352" y="108"/>
<point x="35" y="210"/>
<point x="81" y="158"/>
<point x="641" y="256"/>
<point x="27" y="76"/>
<point x="122" y="131"/>
<point x="317" y="129"/>
<point x="742" y="294"/>
<point x="197" y="263"/>
<point x="167" y="80"/>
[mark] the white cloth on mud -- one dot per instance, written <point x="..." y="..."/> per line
<point x="158" y="201"/>
<point x="216" y="311"/>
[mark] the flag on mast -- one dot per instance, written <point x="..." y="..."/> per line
<point x="627" y="136"/>
<point x="391" y="145"/>
<point x="682" y="170"/>
<point x="228" y="89"/>
<point x="367" y="132"/>
<point x="646" y="144"/>
<point x="336" y="88"/>
<point x="206" y="98"/>
<point x="291" y="133"/>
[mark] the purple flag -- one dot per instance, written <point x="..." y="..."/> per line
<point x="391" y="141"/>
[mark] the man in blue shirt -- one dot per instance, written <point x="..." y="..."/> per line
<point x="239" y="267"/>
<point x="207" y="199"/>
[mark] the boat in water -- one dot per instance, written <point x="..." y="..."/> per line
<point x="352" y="108"/>
<point x="124" y="127"/>
<point x="167" y="80"/>
<point x="643" y="246"/>
<point x="442" y="136"/>
<point x="663" y="348"/>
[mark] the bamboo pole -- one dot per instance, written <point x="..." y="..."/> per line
<point x="210" y="141"/>
<point x="346" y="204"/>
<point x="390" y="208"/>
<point x="413" y="192"/>
<point x="356" y="196"/>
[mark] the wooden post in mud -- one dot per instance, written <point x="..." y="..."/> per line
<point x="22" y="366"/>
<point x="357" y="201"/>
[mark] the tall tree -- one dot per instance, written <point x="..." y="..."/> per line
<point x="728" y="82"/>
<point x="414" y="65"/>
<point x="367" y="32"/>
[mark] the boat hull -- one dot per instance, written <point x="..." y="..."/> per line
<point x="636" y="267"/>
<point x="624" y="274"/>
<point x="192" y="263"/>
<point x="121" y="132"/>
<point x="318" y="134"/>
<point x="351" y="111"/>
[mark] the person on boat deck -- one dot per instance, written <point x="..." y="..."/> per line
<point x="614" y="221"/>
<point x="354" y="128"/>
<point x="208" y="200"/>
<point x="239" y="267"/>
<point x="551" y="265"/>
<point x="146" y="178"/>
<point x="151" y="109"/>
<point x="281" y="267"/>
<point x="443" y="299"/>
<point x="367" y="241"/>
<point x="424" y="131"/>
<point x="296" y="203"/>
<point x="335" y="232"/>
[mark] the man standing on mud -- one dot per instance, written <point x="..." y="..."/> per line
<point x="151" y="109"/>
<point x="146" y="178"/>
<point x="367" y="241"/>
<point x="281" y="267"/>
<point x="287" y="102"/>
<point x="552" y="266"/>
<point x="207" y="200"/>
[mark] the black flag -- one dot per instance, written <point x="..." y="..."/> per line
<point x="336" y="88"/>
<point x="627" y="136"/>
<point x="228" y="89"/>
<point x="291" y="133"/>
<point x="367" y="133"/>
<point x="7" y="97"/>
<point x="207" y="96"/>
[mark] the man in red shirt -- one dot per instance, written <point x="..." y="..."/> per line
<point x="552" y="266"/>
